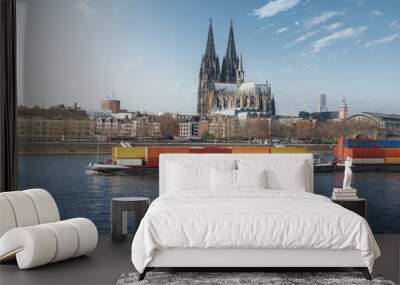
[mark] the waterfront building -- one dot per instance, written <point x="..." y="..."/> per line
<point x="225" y="91"/>
<point x="224" y="127"/>
<point x="112" y="105"/>
<point x="95" y="114"/>
<point x="189" y="126"/>
<point x="152" y="129"/>
<point x="203" y="125"/>
<point x="343" y="111"/>
<point x="384" y="121"/>
<point x="39" y="129"/>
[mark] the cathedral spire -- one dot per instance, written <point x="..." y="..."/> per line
<point x="231" y="49"/>
<point x="240" y="71"/>
<point x="230" y="61"/>
<point x="210" y="49"/>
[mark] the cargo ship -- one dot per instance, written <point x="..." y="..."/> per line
<point x="144" y="160"/>
<point x="369" y="155"/>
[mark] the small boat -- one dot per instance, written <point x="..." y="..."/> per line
<point x="104" y="167"/>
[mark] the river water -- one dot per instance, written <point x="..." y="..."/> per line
<point x="81" y="195"/>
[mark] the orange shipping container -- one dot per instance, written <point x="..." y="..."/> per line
<point x="340" y="142"/>
<point x="392" y="160"/>
<point x="392" y="152"/>
<point x="250" y="149"/>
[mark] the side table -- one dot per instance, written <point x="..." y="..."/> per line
<point x="119" y="215"/>
<point x="358" y="206"/>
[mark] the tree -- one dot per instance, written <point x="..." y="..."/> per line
<point x="207" y="136"/>
<point x="168" y="125"/>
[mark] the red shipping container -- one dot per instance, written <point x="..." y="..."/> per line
<point x="152" y="162"/>
<point x="210" y="150"/>
<point x="156" y="151"/>
<point x="153" y="154"/>
<point x="363" y="152"/>
<point x="392" y="152"/>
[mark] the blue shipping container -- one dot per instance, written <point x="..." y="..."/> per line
<point x="354" y="143"/>
<point x="388" y="144"/>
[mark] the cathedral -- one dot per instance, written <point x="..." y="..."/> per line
<point x="225" y="91"/>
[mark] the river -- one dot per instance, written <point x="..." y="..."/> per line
<point x="81" y="195"/>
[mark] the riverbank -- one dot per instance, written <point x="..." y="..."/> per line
<point x="106" y="147"/>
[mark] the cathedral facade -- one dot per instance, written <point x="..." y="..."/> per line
<point x="224" y="91"/>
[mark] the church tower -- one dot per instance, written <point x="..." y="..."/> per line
<point x="240" y="72"/>
<point x="209" y="73"/>
<point x="230" y="61"/>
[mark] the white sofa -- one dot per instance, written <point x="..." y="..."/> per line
<point x="31" y="231"/>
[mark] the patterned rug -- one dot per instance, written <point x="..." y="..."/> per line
<point x="243" y="278"/>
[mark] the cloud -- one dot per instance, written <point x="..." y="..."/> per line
<point x="376" y="13"/>
<point x="302" y="38"/>
<point x="281" y="30"/>
<point x="382" y="41"/>
<point x="325" y="16"/>
<point x="348" y="33"/>
<point x="333" y="26"/>
<point x="83" y="6"/>
<point x="395" y="24"/>
<point x="275" y="7"/>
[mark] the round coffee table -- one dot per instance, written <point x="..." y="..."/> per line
<point x="119" y="215"/>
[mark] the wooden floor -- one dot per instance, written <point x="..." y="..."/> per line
<point x="110" y="260"/>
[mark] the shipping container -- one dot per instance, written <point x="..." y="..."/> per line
<point x="153" y="154"/>
<point x="289" y="149"/>
<point x="389" y="143"/>
<point x="340" y="142"/>
<point x="250" y="149"/>
<point x="368" y="161"/>
<point x="210" y="150"/>
<point x="392" y="152"/>
<point x="338" y="152"/>
<point x="392" y="160"/>
<point x="130" y="161"/>
<point x="119" y="152"/>
<point x="363" y="152"/>
<point x="360" y="143"/>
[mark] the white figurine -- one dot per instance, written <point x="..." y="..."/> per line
<point x="347" y="173"/>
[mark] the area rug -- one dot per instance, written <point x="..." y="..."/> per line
<point x="269" y="278"/>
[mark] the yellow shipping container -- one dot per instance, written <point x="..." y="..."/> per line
<point x="392" y="160"/>
<point x="289" y="149"/>
<point x="119" y="152"/>
<point x="250" y="149"/>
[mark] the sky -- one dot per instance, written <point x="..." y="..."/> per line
<point x="147" y="53"/>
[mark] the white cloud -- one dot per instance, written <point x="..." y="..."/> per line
<point x="302" y="38"/>
<point x="336" y="36"/>
<point x="281" y="30"/>
<point x="83" y="6"/>
<point x="376" y="13"/>
<point x="333" y="26"/>
<point x="273" y="8"/>
<point x="395" y="24"/>
<point x="296" y="23"/>
<point x="382" y="41"/>
<point x="325" y="16"/>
